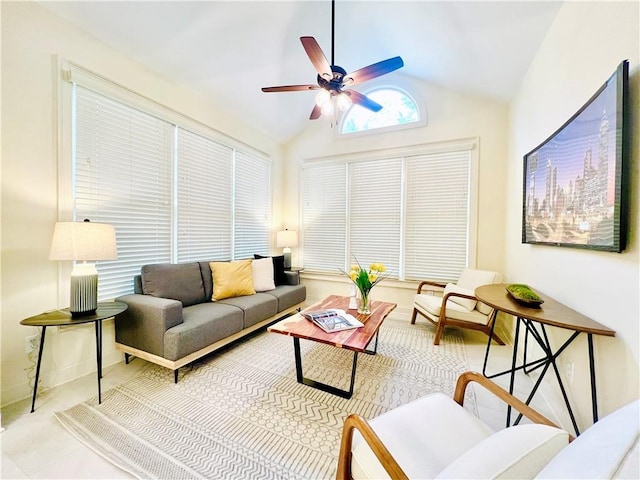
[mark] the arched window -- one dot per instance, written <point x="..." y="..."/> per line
<point x="399" y="110"/>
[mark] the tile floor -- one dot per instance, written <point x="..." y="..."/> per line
<point x="35" y="445"/>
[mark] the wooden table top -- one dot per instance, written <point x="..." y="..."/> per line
<point x="355" y="339"/>
<point x="62" y="317"/>
<point x="551" y="312"/>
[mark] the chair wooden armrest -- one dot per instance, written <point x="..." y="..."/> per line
<point x="432" y="283"/>
<point x="468" y="377"/>
<point x="356" y="422"/>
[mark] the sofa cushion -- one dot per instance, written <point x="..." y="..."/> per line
<point x="263" y="278"/>
<point x="182" y="282"/>
<point x="256" y="307"/>
<point x="516" y="452"/>
<point x="604" y="450"/>
<point x="463" y="302"/>
<point x="203" y="325"/>
<point x="288" y="295"/>
<point x="279" y="277"/>
<point x="231" y="279"/>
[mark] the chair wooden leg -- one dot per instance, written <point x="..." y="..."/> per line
<point x="496" y="338"/>
<point x="413" y="316"/>
<point x="439" y="331"/>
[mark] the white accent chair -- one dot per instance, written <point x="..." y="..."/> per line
<point x="462" y="307"/>
<point x="436" y="437"/>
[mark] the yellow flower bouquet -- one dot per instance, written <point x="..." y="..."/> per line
<point x="365" y="280"/>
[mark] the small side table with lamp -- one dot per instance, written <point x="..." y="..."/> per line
<point x="84" y="242"/>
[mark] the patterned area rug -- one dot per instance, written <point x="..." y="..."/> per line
<point x="240" y="413"/>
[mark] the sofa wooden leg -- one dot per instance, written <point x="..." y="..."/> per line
<point x="127" y="358"/>
<point x="413" y="316"/>
<point x="175" y="375"/>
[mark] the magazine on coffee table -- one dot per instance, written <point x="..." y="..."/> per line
<point x="333" y="320"/>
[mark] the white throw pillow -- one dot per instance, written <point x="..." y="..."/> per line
<point x="263" y="275"/>
<point x="463" y="302"/>
<point x="515" y="452"/>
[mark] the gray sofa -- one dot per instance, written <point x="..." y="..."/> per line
<point x="171" y="320"/>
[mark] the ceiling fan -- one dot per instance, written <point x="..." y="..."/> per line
<point x="332" y="79"/>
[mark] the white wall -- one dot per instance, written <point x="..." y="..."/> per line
<point x="582" y="49"/>
<point x="450" y="116"/>
<point x="31" y="36"/>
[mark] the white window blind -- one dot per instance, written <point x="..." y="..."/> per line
<point x="167" y="183"/>
<point x="437" y="215"/>
<point x="413" y="211"/>
<point x="324" y="190"/>
<point x="375" y="201"/>
<point x="204" y="206"/>
<point x="252" y="217"/>
<point x="122" y="163"/>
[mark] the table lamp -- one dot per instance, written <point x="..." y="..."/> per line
<point x="85" y="243"/>
<point x="286" y="239"/>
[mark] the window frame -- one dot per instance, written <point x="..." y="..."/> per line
<point x="419" y="104"/>
<point x="463" y="144"/>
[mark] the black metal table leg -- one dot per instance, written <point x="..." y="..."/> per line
<point x="35" y="385"/>
<point x="513" y="366"/>
<point x="592" y="372"/>
<point x="99" y="357"/>
<point x="323" y="386"/>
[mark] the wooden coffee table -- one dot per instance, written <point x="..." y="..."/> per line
<point x="357" y="340"/>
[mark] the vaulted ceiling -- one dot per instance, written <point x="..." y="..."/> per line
<point x="228" y="50"/>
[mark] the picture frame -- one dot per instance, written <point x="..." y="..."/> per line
<point x="574" y="183"/>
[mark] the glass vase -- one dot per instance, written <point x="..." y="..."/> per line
<point x="364" y="303"/>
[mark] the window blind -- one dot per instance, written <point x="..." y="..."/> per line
<point x="410" y="210"/>
<point x="324" y="190"/>
<point x="204" y="206"/>
<point x="375" y="201"/>
<point x="122" y="160"/>
<point x="167" y="184"/>
<point x="437" y="215"/>
<point x="252" y="211"/>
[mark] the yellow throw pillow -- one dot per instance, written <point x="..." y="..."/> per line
<point x="231" y="279"/>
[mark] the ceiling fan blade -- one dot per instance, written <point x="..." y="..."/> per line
<point x="315" y="113"/>
<point x="373" y="71"/>
<point x="317" y="57"/>
<point x="366" y="102"/>
<point x="290" y="88"/>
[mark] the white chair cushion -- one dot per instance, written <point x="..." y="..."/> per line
<point x="429" y="305"/>
<point x="472" y="279"/>
<point x="463" y="302"/>
<point x="515" y="452"/>
<point x="604" y="450"/>
<point x="424" y="436"/>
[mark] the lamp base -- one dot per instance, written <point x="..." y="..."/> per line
<point x="286" y="252"/>
<point x="84" y="290"/>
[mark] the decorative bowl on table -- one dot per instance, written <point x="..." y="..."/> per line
<point x="524" y="295"/>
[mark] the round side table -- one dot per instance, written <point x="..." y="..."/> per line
<point x="59" y="318"/>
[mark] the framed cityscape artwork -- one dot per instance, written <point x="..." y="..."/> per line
<point x="574" y="183"/>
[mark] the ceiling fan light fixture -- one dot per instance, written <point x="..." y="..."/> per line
<point x="343" y="101"/>
<point x="327" y="109"/>
<point x="323" y="97"/>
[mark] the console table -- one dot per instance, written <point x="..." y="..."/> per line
<point x="58" y="318"/>
<point x="535" y="319"/>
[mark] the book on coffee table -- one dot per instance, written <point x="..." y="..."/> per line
<point x="333" y="320"/>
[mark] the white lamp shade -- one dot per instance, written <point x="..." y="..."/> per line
<point x="287" y="238"/>
<point x="86" y="241"/>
